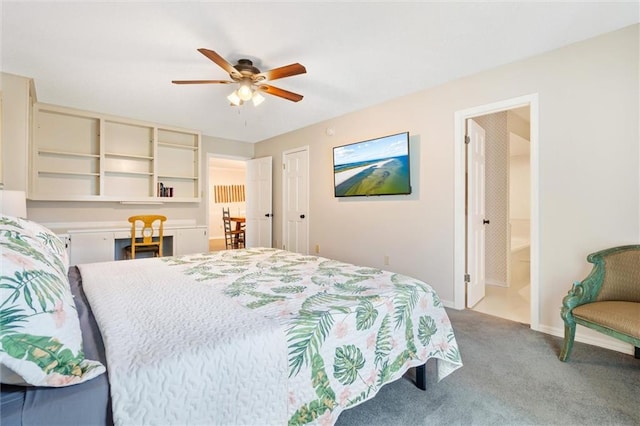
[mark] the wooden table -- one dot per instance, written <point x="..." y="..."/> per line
<point x="239" y="221"/>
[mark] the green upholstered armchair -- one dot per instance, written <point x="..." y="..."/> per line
<point x="608" y="300"/>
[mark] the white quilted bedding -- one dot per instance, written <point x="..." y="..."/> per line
<point x="258" y="336"/>
<point x="180" y="352"/>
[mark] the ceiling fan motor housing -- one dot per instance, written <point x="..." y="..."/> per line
<point x="246" y="68"/>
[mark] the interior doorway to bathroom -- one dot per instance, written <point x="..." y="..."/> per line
<point x="505" y="225"/>
<point x="462" y="279"/>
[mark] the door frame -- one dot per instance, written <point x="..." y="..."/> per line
<point x="459" y="232"/>
<point x="285" y="194"/>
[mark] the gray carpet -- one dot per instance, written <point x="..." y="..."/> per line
<point x="511" y="376"/>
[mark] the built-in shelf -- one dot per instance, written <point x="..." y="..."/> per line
<point x="67" y="153"/>
<point x="81" y="155"/>
<point x="115" y="154"/>
<point x="124" y="172"/>
<point x="175" y="145"/>
<point x="66" y="172"/>
<point x="178" y="177"/>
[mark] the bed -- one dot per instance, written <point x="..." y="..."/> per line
<point x="246" y="336"/>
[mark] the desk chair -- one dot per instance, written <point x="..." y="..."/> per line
<point x="143" y="225"/>
<point x="233" y="238"/>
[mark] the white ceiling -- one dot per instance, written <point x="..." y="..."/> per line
<point x="120" y="57"/>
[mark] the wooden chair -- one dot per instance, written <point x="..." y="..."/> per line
<point x="233" y="238"/>
<point x="143" y="234"/>
<point x="607" y="300"/>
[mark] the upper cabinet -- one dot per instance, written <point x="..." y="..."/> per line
<point x="77" y="155"/>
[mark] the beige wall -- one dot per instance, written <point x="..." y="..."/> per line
<point x="588" y="168"/>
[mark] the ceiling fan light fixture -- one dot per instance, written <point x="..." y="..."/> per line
<point x="257" y="98"/>
<point x="244" y="92"/>
<point x="234" y="98"/>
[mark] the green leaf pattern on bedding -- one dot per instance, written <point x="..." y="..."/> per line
<point x="47" y="352"/>
<point x="40" y="338"/>
<point x="350" y="329"/>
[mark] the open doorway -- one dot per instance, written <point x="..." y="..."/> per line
<point x="506" y="221"/>
<point x="463" y="280"/>
<point x="226" y="188"/>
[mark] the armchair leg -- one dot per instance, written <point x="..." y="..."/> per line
<point x="569" y="335"/>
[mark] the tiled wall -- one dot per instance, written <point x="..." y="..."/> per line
<point x="496" y="196"/>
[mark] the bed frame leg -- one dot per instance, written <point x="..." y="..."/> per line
<point x="421" y="376"/>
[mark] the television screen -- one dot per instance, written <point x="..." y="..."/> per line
<point x="374" y="167"/>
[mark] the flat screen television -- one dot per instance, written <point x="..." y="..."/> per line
<point x="377" y="166"/>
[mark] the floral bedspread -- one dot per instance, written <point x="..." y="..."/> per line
<point x="349" y="329"/>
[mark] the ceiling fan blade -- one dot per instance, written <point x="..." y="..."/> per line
<point x="222" y="63"/>
<point x="280" y="92"/>
<point x="201" y="81"/>
<point x="281" y="72"/>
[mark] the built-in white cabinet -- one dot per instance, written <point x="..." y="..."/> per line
<point x="102" y="245"/>
<point x="83" y="156"/>
<point x="90" y="247"/>
<point x="191" y="240"/>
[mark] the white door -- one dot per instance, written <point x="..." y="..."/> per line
<point x="258" y="203"/>
<point x="476" y="220"/>
<point x="296" y="200"/>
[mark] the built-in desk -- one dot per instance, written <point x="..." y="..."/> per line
<point x="105" y="244"/>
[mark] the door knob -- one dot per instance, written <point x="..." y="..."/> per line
<point x="268" y="215"/>
<point x="485" y="221"/>
<point x="301" y="216"/>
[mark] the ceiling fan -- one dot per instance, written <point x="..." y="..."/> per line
<point x="251" y="80"/>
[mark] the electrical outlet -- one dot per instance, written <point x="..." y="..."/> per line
<point x="386" y="260"/>
<point x="317" y="248"/>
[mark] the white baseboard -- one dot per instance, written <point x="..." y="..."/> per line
<point x="600" y="341"/>
<point x="603" y="342"/>
<point x="496" y="283"/>
<point x="449" y="304"/>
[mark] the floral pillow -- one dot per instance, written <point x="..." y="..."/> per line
<point x="49" y="240"/>
<point x="40" y="337"/>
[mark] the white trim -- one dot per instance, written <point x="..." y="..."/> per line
<point x="460" y="118"/>
<point x="496" y="283"/>
<point x="107" y="225"/>
<point x="602" y="342"/>
<point x="447" y="303"/>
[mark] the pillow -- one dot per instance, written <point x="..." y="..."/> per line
<point x="48" y="239"/>
<point x="40" y="338"/>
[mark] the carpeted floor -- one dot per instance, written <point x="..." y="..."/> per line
<point x="511" y="376"/>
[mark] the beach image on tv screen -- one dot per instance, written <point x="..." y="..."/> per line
<point x="375" y="167"/>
